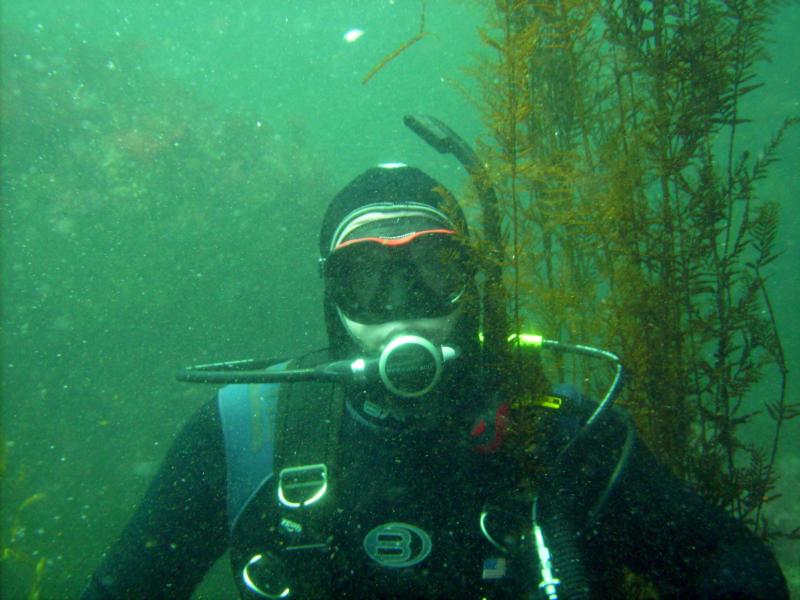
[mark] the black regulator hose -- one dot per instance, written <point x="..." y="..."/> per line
<point x="562" y="572"/>
<point x="567" y="559"/>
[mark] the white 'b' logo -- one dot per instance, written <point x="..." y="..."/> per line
<point x="397" y="545"/>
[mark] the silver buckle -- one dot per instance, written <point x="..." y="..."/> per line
<point x="257" y="575"/>
<point x="302" y="486"/>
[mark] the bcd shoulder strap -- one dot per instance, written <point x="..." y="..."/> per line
<point x="308" y="421"/>
<point x="307" y="427"/>
<point x="283" y="540"/>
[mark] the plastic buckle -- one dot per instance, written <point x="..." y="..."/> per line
<point x="302" y="486"/>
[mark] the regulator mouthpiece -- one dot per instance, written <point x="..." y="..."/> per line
<point x="411" y="366"/>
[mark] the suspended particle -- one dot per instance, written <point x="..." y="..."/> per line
<point x="352" y="35"/>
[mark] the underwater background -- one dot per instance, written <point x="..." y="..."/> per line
<point x="165" y="167"/>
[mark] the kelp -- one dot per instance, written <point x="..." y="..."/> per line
<point x="633" y="221"/>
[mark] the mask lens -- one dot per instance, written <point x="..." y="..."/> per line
<point x="441" y="263"/>
<point x="374" y="282"/>
<point x="355" y="274"/>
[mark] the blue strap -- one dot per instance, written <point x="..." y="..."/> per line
<point x="247" y="412"/>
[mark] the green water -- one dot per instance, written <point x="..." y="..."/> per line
<point x="164" y="171"/>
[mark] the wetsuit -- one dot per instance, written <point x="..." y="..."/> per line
<point x="652" y="523"/>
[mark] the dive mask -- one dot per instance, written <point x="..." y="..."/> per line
<point x="422" y="274"/>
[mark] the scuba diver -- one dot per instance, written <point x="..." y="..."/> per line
<point x="382" y="467"/>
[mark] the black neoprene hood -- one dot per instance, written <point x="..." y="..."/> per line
<point x="397" y="185"/>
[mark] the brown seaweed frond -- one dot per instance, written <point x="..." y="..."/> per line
<point x="400" y="49"/>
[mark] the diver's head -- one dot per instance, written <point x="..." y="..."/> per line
<point x="395" y="261"/>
